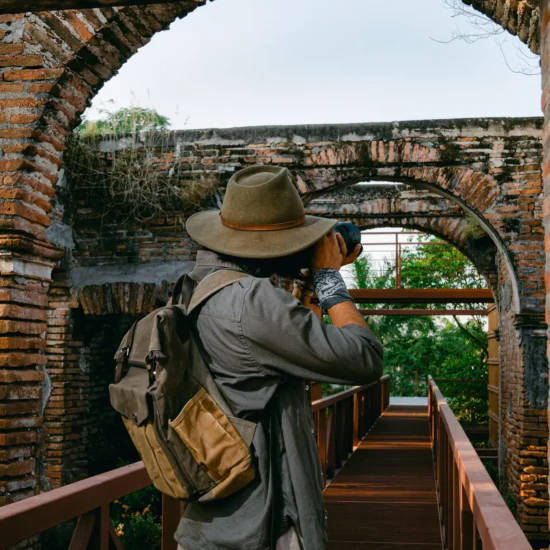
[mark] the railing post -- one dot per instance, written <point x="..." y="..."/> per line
<point x="364" y="411"/>
<point x="331" y="440"/>
<point x="456" y="515"/>
<point x="172" y="510"/>
<point x="341" y="453"/>
<point x="443" y="487"/>
<point x="349" y="427"/>
<point x="83" y="532"/>
<point x="450" y="496"/>
<point x="321" y="418"/>
<point x="356" y="419"/>
<point x="467" y="529"/>
<point x="94" y="530"/>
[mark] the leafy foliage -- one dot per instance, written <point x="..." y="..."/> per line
<point x="418" y="346"/>
<point x="125" y="121"/>
<point x="137" y="518"/>
<point x="437" y="266"/>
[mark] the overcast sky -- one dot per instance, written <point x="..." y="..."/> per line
<point x="256" y="62"/>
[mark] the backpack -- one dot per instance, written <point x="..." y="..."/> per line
<point x="192" y="445"/>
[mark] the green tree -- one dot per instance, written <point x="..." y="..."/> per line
<point x="416" y="346"/>
<point x="437" y="265"/>
<point x="128" y="120"/>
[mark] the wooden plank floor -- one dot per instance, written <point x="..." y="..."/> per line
<point x="384" y="496"/>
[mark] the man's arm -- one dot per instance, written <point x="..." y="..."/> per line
<point x="283" y="336"/>
<point x="344" y="314"/>
<point x="330" y="255"/>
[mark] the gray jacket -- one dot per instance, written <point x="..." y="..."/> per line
<point x="263" y="347"/>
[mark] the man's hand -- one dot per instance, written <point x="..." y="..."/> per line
<point x="350" y="258"/>
<point x="331" y="253"/>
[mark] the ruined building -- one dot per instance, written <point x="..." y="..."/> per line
<point x="73" y="278"/>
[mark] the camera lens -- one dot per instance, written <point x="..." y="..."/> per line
<point x="350" y="234"/>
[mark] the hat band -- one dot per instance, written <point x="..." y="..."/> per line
<point x="263" y="227"/>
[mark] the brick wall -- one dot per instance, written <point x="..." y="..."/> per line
<point x="79" y="350"/>
<point x="489" y="169"/>
<point x="51" y="64"/>
<point x="545" y="104"/>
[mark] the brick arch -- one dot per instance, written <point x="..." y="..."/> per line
<point x="518" y="18"/>
<point x="402" y="161"/>
<point x="51" y="66"/>
<point x="476" y="192"/>
<point x="419" y="210"/>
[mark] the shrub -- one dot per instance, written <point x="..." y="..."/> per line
<point x="128" y="164"/>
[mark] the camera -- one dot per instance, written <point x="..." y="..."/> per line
<point x="350" y="234"/>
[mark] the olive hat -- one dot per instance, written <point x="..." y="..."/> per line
<point x="262" y="216"/>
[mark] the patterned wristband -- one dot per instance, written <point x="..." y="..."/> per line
<point x="330" y="288"/>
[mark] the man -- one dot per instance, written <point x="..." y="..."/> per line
<point x="263" y="347"/>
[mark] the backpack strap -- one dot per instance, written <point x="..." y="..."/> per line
<point x="213" y="283"/>
<point x="182" y="291"/>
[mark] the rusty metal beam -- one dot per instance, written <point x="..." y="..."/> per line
<point x="22" y="6"/>
<point x="423" y="296"/>
<point x="424" y="312"/>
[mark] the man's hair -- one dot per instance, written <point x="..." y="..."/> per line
<point x="285" y="266"/>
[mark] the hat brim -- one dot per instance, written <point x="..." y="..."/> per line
<point x="207" y="229"/>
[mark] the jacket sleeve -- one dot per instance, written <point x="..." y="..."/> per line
<point x="282" y="335"/>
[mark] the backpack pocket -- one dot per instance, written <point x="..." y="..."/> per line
<point x="129" y="398"/>
<point x="155" y="459"/>
<point x="216" y="444"/>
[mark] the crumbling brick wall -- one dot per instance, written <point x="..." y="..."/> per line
<point x="487" y="168"/>
<point x="545" y="103"/>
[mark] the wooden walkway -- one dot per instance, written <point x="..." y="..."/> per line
<point x="384" y="496"/>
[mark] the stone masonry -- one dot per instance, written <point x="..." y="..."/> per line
<point x="488" y="169"/>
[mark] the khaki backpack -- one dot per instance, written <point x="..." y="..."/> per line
<point x="190" y="442"/>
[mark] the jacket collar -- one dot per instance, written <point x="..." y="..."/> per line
<point x="208" y="262"/>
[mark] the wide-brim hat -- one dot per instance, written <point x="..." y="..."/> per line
<point x="262" y="216"/>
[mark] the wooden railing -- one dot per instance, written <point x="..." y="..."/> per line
<point x="88" y="500"/>
<point x="472" y="511"/>
<point x="343" y="420"/>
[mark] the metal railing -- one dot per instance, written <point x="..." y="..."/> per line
<point x="342" y="420"/>
<point x="473" y="513"/>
